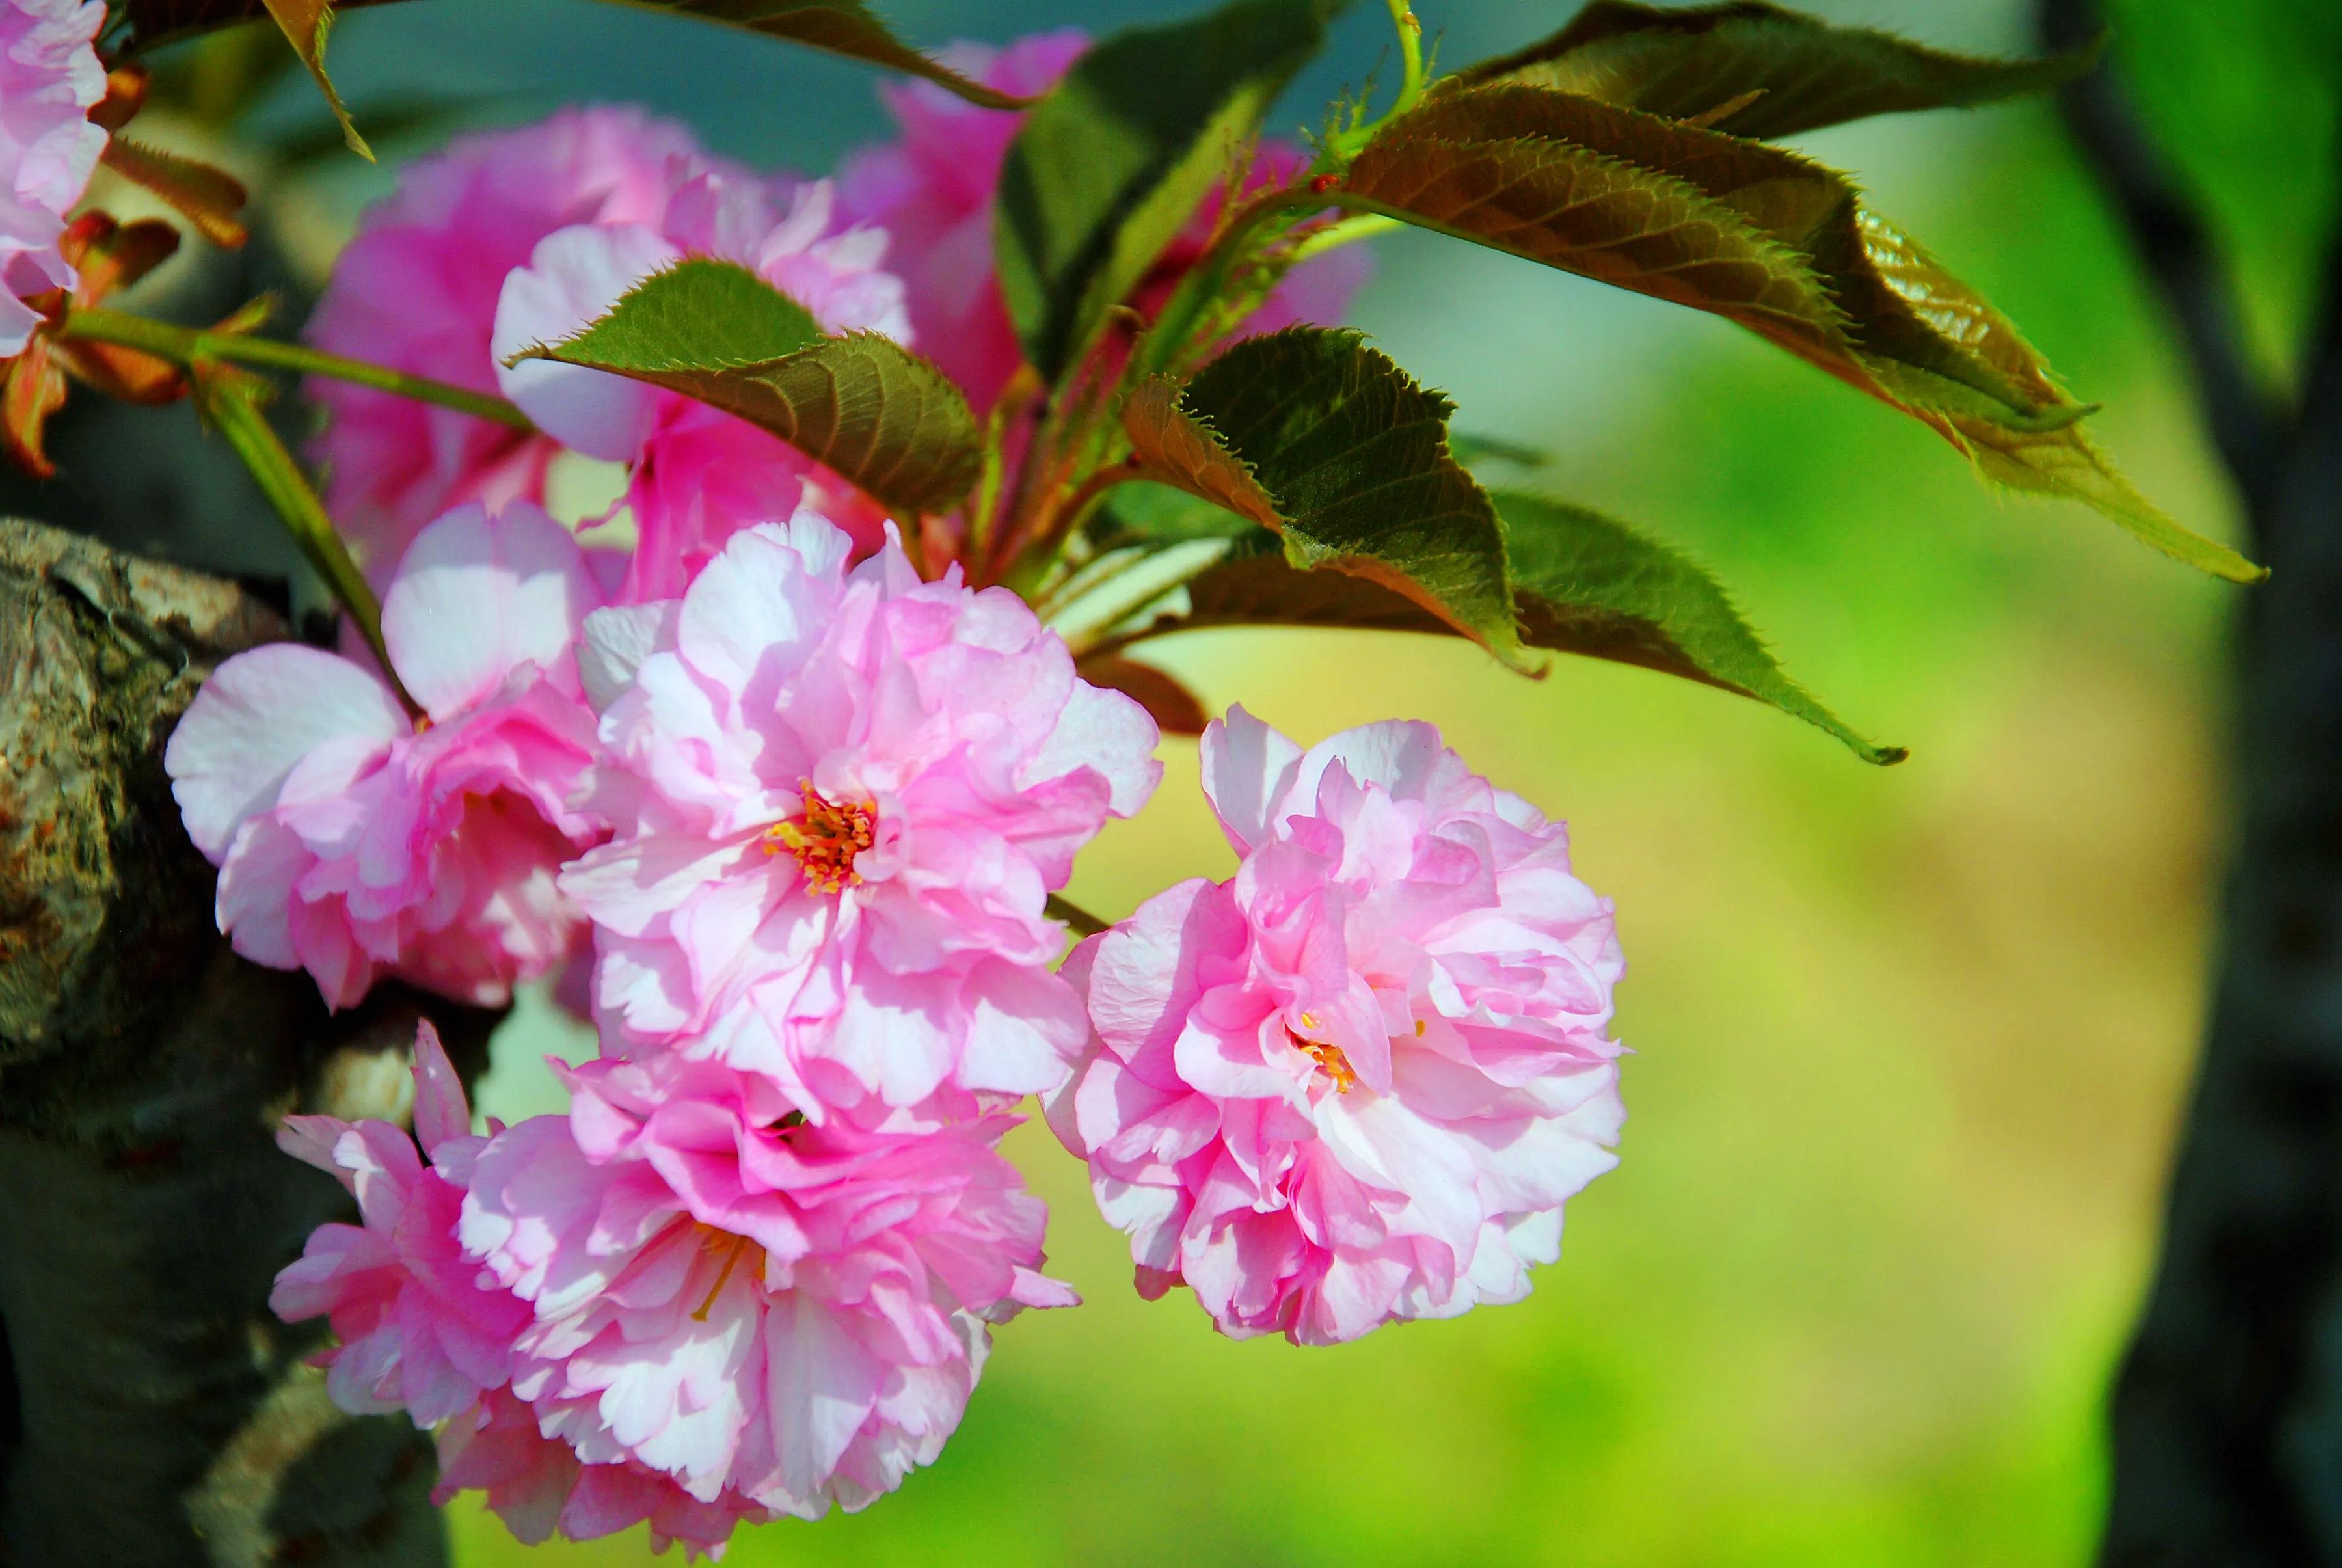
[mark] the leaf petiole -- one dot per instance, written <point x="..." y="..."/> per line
<point x="188" y="344"/>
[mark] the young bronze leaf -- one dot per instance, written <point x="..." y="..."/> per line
<point x="209" y="198"/>
<point x="1584" y="584"/>
<point x="1114" y="163"/>
<point x="1759" y="70"/>
<point x="1175" y="709"/>
<point x="883" y="418"/>
<point x="1328" y="441"/>
<point x="1762" y="236"/>
<point x="847" y="27"/>
<point x="307" y="23"/>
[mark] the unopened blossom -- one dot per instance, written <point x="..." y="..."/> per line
<point x="933" y="189"/>
<point x="695" y="475"/>
<point x="50" y="79"/>
<point x="841" y="798"/>
<point x="416" y="290"/>
<point x="416" y="1330"/>
<point x="1355" y="1082"/>
<point x="775" y="1314"/>
<point x="355" y="839"/>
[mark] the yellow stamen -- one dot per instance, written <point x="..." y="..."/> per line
<point x="1419" y="1027"/>
<point x="826" y="841"/>
<point x="1328" y="1057"/>
<point x="731" y="1261"/>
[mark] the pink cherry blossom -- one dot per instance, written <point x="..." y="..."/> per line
<point x="418" y="1332"/>
<point x="841" y="800"/>
<point x="933" y="190"/>
<point x="416" y="290"/>
<point x="1355" y="1083"/>
<point x="774" y="1313"/>
<point x="49" y="80"/>
<point x="539" y="1485"/>
<point x="354" y="840"/>
<point x="696" y="474"/>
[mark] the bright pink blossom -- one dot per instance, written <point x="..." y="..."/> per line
<point x="418" y="1331"/>
<point x="841" y="800"/>
<point x="354" y="840"/>
<point x="1357" y="1083"/>
<point x="416" y="290"/>
<point x="49" y="80"/>
<point x="696" y="474"/>
<point x="933" y="191"/>
<point x="775" y="1314"/>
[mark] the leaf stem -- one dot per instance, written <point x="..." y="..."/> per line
<point x="187" y="345"/>
<point x="1410" y="48"/>
<point x="234" y="407"/>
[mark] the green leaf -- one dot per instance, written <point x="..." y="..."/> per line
<point x="1114" y="163"/>
<point x="306" y="24"/>
<point x="1759" y="70"/>
<point x="1763" y="237"/>
<point x="847" y="27"/>
<point x="884" y="419"/>
<point x="1584" y="584"/>
<point x="1311" y="433"/>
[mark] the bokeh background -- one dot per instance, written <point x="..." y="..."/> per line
<point x="1911" y="1045"/>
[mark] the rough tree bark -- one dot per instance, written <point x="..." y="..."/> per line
<point x="152" y="1411"/>
<point x="2226" y="1413"/>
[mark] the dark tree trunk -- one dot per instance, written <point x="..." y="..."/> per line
<point x="156" y="1413"/>
<point x="2227" y="1414"/>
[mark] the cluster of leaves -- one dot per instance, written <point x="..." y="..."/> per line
<point x="1171" y="481"/>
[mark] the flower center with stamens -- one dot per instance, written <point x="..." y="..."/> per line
<point x="827" y="839"/>
<point x="734" y="1250"/>
<point x="1328" y="1057"/>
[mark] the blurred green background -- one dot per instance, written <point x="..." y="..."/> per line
<point x="1911" y="1045"/>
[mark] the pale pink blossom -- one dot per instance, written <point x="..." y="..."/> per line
<point x="696" y="476"/>
<point x="354" y="840"/>
<point x="416" y="290"/>
<point x="775" y="1314"/>
<point x="933" y="190"/>
<point x="1357" y="1083"/>
<point x="50" y="79"/>
<point x="841" y="798"/>
<point x="418" y="1330"/>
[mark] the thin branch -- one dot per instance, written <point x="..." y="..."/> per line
<point x="2175" y="243"/>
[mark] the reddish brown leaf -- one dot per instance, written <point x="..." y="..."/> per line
<point x="1175" y="709"/>
<point x="205" y="196"/>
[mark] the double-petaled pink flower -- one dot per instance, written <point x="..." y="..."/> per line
<point x="777" y="1315"/>
<point x="841" y="800"/>
<point x="50" y="79"/>
<point x="1357" y="1083"/>
<point x="695" y="476"/>
<point x="416" y="290"/>
<point x="355" y="839"/>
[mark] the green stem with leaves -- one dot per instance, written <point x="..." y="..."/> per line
<point x="188" y="346"/>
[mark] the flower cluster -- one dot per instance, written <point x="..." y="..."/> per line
<point x="50" y="79"/>
<point x="800" y="811"/>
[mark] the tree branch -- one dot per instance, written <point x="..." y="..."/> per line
<point x="158" y="1415"/>
<point x="2173" y="241"/>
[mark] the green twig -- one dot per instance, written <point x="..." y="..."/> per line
<point x="187" y="346"/>
<point x="234" y="405"/>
